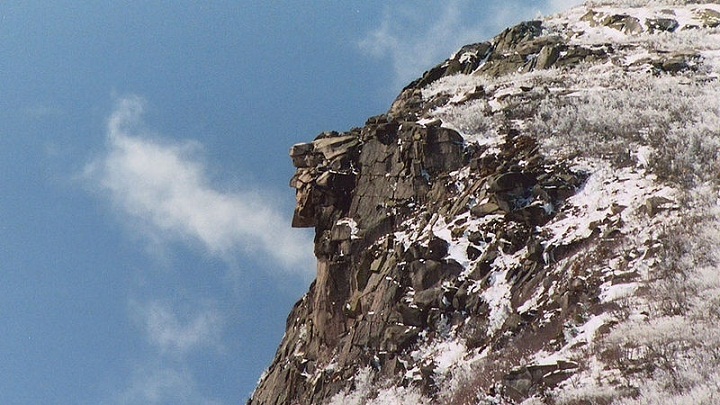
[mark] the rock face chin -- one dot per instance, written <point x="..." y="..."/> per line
<point x="471" y="232"/>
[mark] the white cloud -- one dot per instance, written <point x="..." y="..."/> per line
<point x="176" y="335"/>
<point x="164" y="377"/>
<point x="162" y="186"/>
<point x="157" y="384"/>
<point x="416" y="36"/>
<point x="413" y="52"/>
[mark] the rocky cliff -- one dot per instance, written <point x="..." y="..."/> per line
<point x="511" y="229"/>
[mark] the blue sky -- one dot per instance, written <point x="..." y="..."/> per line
<point x="145" y="249"/>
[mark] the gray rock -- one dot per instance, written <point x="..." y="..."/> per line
<point x="548" y="55"/>
<point x="340" y="232"/>
<point x="483" y="209"/>
<point x="301" y="149"/>
<point x="514" y="182"/>
<point x="332" y="147"/>
<point x="676" y="63"/>
<point x="592" y="17"/>
<point x="430" y="298"/>
<point x="624" y="23"/>
<point x="662" y="24"/>
<point x="512" y="37"/>
<point x="425" y="274"/>
<point x="411" y="315"/>
<point x="522" y="382"/>
<point x="473" y="252"/>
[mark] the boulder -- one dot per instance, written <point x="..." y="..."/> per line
<point x="330" y="148"/>
<point x="425" y="274"/>
<point x="430" y="298"/>
<point x="662" y="24"/>
<point x="473" y="252"/>
<point x="624" y="23"/>
<point x="465" y="61"/>
<point x="340" y="232"/>
<point x="548" y="55"/>
<point x="511" y="182"/>
<point x="522" y="382"/>
<point x="486" y="208"/>
<point x="512" y="37"/>
<point x="592" y="17"/>
<point x="677" y="62"/>
<point x="437" y="249"/>
<point x="411" y="315"/>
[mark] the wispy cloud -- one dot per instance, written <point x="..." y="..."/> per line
<point x="162" y="186"/>
<point x="414" y="42"/>
<point x="158" y="384"/>
<point x="175" y="332"/>
<point x="416" y="36"/>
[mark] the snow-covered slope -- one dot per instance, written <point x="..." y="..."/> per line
<point x="534" y="221"/>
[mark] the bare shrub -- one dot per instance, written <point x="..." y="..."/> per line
<point x="679" y="121"/>
<point x="481" y="381"/>
<point x="589" y="396"/>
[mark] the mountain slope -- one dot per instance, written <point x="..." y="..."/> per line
<point x="534" y="220"/>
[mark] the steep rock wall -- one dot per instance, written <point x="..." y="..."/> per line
<point x="423" y="235"/>
<point x="374" y="295"/>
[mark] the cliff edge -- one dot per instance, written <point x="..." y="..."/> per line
<point x="531" y="220"/>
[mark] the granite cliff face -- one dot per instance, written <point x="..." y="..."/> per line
<point x="489" y="238"/>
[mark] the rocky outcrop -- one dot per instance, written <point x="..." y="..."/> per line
<point x="375" y="175"/>
<point x="375" y="296"/>
<point x="524" y="381"/>
<point x="355" y="188"/>
<point x="424" y="235"/>
<point x="522" y="48"/>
